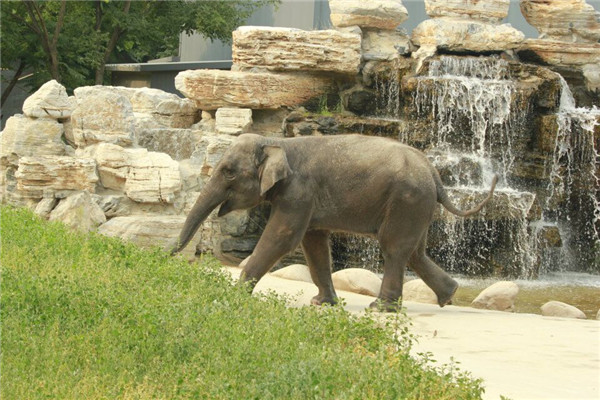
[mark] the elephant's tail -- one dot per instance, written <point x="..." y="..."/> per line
<point x="445" y="201"/>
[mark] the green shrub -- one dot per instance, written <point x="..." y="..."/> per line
<point x="90" y="317"/>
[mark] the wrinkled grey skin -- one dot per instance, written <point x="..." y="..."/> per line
<point x="317" y="185"/>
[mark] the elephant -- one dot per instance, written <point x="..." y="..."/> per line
<point x="321" y="184"/>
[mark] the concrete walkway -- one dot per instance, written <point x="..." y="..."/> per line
<point x="520" y="356"/>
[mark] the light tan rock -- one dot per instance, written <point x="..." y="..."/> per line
<point x="294" y="272"/>
<point x="379" y="14"/>
<point x="49" y="101"/>
<point x="563" y="20"/>
<point x="233" y="121"/>
<point x="149" y="230"/>
<point x="24" y="136"/>
<point x="561" y="53"/>
<point x="209" y="151"/>
<point x="45" y="207"/>
<point x="80" y="212"/>
<point x="290" y="49"/>
<point x="154" y="107"/>
<point x="212" y="89"/>
<point x="102" y="115"/>
<point x="385" y="45"/>
<point x="178" y="143"/>
<point x="484" y="10"/>
<point x="152" y="177"/>
<point x="591" y="74"/>
<point x="357" y="280"/>
<point x="500" y="296"/>
<point x="416" y="290"/>
<point x="466" y="35"/>
<point x="55" y="176"/>
<point x="598" y="315"/>
<point x="112" y="161"/>
<point x="563" y="310"/>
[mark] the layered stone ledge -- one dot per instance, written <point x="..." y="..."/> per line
<point x="289" y="49"/>
<point x="213" y="89"/>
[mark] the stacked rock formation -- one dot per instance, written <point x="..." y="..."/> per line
<point x="466" y="26"/>
<point x="569" y="34"/>
<point x="377" y="22"/>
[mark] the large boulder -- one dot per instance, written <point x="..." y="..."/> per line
<point x="49" y="101"/>
<point x="154" y="107"/>
<point x="294" y="272"/>
<point x="458" y="35"/>
<point x="486" y="11"/>
<point x="149" y="230"/>
<point x="416" y="290"/>
<point x="112" y="162"/>
<point x="385" y="45"/>
<point x="212" y="89"/>
<point x="563" y="310"/>
<point x="178" y="143"/>
<point x="500" y="296"/>
<point x="233" y="121"/>
<point x="357" y="280"/>
<point x="209" y="151"/>
<point x="80" y="212"/>
<point x="377" y="14"/>
<point x="24" y="136"/>
<point x="566" y="20"/>
<point x="55" y="176"/>
<point x="152" y="177"/>
<point x="102" y="115"/>
<point x="290" y="49"/>
<point x="556" y="52"/>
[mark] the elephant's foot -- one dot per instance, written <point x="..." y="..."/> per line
<point x="386" y="305"/>
<point x="446" y="296"/>
<point x="320" y="300"/>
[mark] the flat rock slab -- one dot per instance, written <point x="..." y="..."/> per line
<point x="289" y="49"/>
<point x="47" y="176"/>
<point x="376" y="14"/>
<point x="560" y="53"/>
<point x="566" y="20"/>
<point x="488" y="11"/>
<point x="520" y="356"/>
<point x="213" y="89"/>
<point x="455" y="34"/>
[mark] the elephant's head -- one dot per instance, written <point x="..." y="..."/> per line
<point x="248" y="170"/>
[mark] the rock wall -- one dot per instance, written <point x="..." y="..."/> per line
<point x="136" y="159"/>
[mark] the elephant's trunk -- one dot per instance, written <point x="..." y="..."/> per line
<point x="210" y="197"/>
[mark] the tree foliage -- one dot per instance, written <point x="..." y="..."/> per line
<point x="72" y="41"/>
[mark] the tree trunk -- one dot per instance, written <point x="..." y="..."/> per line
<point x="13" y="82"/>
<point x="114" y="38"/>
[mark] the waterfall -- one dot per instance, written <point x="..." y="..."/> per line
<point x="474" y="118"/>
<point x="575" y="157"/>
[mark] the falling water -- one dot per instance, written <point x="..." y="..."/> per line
<point x="476" y="115"/>
<point x="574" y="152"/>
<point x="473" y="105"/>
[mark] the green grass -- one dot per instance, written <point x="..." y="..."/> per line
<point x="89" y="317"/>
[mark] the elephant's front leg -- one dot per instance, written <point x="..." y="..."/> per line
<point x="318" y="255"/>
<point x="283" y="234"/>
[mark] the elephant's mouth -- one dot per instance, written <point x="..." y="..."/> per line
<point x="226" y="208"/>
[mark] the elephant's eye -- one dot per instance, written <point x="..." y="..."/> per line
<point x="228" y="173"/>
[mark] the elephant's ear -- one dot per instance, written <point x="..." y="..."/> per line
<point x="273" y="168"/>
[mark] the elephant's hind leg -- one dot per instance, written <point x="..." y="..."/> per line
<point x="436" y="278"/>
<point x="318" y="255"/>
